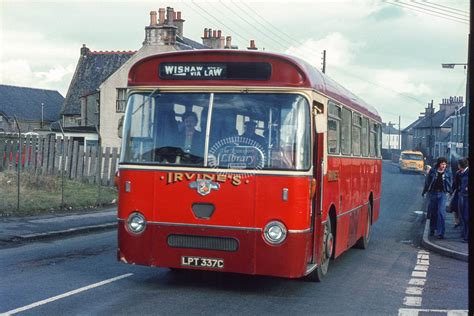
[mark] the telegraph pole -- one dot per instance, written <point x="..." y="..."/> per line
<point x="399" y="133"/>
<point x="324" y="62"/>
<point x="389" y="136"/>
<point x="431" y="139"/>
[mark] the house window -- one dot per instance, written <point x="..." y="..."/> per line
<point x="121" y="100"/>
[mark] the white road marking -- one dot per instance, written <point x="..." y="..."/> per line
<point x="412" y="301"/>
<point x="58" y="297"/>
<point x="421" y="268"/>
<point x="415" y="311"/>
<point x="419" y="274"/>
<point x="419" y="279"/>
<point x="414" y="290"/>
<point x="415" y="281"/>
<point x="423" y="262"/>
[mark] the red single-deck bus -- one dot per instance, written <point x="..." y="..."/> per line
<point x="244" y="161"/>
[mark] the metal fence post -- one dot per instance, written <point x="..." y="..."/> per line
<point x="18" y="163"/>
<point x="63" y="163"/>
<point x="99" y="165"/>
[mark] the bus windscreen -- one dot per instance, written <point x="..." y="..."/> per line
<point x="219" y="130"/>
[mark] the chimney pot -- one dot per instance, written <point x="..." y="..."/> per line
<point x="219" y="33"/>
<point x="169" y="15"/>
<point x="214" y="34"/>
<point x="153" y="18"/>
<point x="161" y="12"/>
<point x="252" y="45"/>
<point x="175" y="16"/>
<point x="228" y="41"/>
<point x="209" y="32"/>
<point x="179" y="15"/>
<point x="205" y="33"/>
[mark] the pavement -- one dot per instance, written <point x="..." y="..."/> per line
<point x="23" y="229"/>
<point x="452" y="244"/>
<point x="15" y="230"/>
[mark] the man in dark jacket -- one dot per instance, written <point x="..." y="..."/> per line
<point x="438" y="184"/>
<point x="463" y="198"/>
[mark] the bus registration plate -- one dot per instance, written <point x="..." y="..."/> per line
<point x="202" y="262"/>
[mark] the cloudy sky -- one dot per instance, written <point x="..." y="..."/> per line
<point x="387" y="52"/>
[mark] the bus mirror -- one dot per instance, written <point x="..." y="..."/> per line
<point x="320" y="123"/>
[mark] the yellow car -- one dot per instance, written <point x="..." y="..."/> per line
<point x="411" y="161"/>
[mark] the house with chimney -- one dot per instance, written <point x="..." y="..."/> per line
<point x="34" y="109"/>
<point x="97" y="95"/>
<point x="432" y="133"/>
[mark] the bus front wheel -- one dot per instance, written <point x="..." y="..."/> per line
<point x="328" y="247"/>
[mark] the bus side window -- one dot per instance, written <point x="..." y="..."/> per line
<point x="334" y="128"/>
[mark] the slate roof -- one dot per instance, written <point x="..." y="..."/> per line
<point x="412" y="125"/>
<point x="192" y="44"/>
<point x="435" y="120"/>
<point x="92" y="69"/>
<point x="25" y="103"/>
<point x="386" y="130"/>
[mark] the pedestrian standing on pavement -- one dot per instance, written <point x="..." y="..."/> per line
<point x="463" y="197"/>
<point x="438" y="184"/>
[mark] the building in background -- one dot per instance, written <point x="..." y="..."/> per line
<point x="390" y="137"/>
<point x="432" y="134"/>
<point x="35" y="109"/>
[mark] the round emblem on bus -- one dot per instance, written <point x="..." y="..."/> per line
<point x="242" y="155"/>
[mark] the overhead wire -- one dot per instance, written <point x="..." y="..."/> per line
<point x="252" y="10"/>
<point x="437" y="10"/>
<point x="216" y="20"/>
<point x="252" y="26"/>
<point x="445" y="7"/>
<point x="439" y="15"/>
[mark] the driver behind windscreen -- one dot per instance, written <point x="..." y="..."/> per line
<point x="191" y="140"/>
<point x="249" y="132"/>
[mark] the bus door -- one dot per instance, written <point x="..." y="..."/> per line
<point x="319" y="169"/>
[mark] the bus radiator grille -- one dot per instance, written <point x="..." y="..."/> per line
<point x="203" y="242"/>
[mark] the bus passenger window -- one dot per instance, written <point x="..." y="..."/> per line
<point x="346" y="132"/>
<point x="333" y="133"/>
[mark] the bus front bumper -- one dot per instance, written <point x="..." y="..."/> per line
<point x="216" y="249"/>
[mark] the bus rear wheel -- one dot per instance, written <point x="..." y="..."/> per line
<point x="328" y="247"/>
<point x="363" y="242"/>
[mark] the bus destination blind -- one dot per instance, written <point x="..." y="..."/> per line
<point x="215" y="71"/>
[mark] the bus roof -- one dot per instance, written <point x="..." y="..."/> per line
<point x="264" y="69"/>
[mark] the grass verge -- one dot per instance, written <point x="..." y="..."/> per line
<point x="42" y="194"/>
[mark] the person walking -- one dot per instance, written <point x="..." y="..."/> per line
<point x="463" y="197"/>
<point x="438" y="184"/>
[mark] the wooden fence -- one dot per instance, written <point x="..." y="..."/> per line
<point x="48" y="155"/>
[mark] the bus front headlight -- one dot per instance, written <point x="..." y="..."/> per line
<point x="136" y="223"/>
<point x="275" y="232"/>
